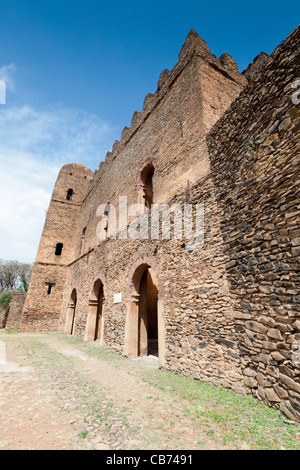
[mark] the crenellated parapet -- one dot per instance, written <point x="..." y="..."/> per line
<point x="194" y="45"/>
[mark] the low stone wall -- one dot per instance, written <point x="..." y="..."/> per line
<point x="3" y="316"/>
<point x="15" y="309"/>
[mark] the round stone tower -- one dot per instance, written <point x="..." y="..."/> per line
<point x="44" y="297"/>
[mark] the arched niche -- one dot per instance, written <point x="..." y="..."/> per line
<point x="71" y="312"/>
<point x="95" y="319"/>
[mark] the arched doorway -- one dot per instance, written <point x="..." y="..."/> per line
<point x="148" y="328"/>
<point x="94" y="323"/>
<point x="70" y="317"/>
<point x="144" y="330"/>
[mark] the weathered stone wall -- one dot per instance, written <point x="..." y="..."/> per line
<point x="12" y="315"/>
<point x="200" y="330"/>
<point x="15" y="310"/>
<point x="254" y="151"/>
<point x="3" y="316"/>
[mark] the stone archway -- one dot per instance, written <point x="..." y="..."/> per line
<point x="144" y="329"/>
<point x="70" y="317"/>
<point x="95" y="319"/>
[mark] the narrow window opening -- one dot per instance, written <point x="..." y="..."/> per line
<point x="49" y="287"/>
<point x="58" y="249"/>
<point x="70" y="193"/>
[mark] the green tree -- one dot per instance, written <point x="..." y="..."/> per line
<point x="14" y="276"/>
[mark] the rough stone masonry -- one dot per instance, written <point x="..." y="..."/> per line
<point x="226" y="311"/>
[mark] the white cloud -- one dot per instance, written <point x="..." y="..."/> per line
<point x="24" y="194"/>
<point x="7" y="74"/>
<point x="34" y="144"/>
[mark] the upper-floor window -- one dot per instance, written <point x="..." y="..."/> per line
<point x="146" y="185"/>
<point x="58" y="249"/>
<point x="70" y="193"/>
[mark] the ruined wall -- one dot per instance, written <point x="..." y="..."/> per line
<point x="230" y="307"/>
<point x="14" y="316"/>
<point x="11" y="317"/>
<point x="254" y="151"/>
<point x="200" y="334"/>
<point x="3" y="316"/>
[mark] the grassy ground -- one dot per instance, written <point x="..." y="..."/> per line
<point x="236" y="420"/>
<point x="214" y="417"/>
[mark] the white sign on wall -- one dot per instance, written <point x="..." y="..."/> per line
<point x="118" y="298"/>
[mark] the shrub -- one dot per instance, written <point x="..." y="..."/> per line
<point x="5" y="299"/>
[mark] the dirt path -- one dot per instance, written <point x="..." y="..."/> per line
<point x="29" y="419"/>
<point x="53" y="395"/>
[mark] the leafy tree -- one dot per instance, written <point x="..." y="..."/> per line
<point x="14" y="276"/>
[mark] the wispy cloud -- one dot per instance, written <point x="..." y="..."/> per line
<point x="56" y="133"/>
<point x="7" y="74"/>
<point x="34" y="144"/>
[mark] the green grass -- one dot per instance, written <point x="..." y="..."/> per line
<point x="12" y="330"/>
<point x="235" y="419"/>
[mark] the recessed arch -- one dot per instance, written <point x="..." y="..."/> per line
<point x="144" y="328"/>
<point x="95" y="319"/>
<point x="145" y="184"/>
<point x="71" y="312"/>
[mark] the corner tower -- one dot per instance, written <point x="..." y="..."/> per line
<point x="44" y="297"/>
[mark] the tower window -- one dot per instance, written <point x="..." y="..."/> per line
<point x="49" y="286"/>
<point x="70" y="193"/>
<point x="58" y="249"/>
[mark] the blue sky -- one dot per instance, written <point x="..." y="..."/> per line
<point x="75" y="72"/>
